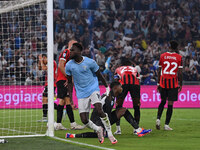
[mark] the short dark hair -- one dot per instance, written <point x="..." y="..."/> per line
<point x="79" y="46"/>
<point x="126" y="62"/>
<point x="44" y="55"/>
<point x="114" y="83"/>
<point x="173" y="45"/>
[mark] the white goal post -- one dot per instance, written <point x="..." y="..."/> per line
<point x="26" y="32"/>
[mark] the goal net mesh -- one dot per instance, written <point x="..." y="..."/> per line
<point x="23" y="37"/>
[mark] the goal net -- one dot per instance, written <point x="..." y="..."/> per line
<point x="23" y="37"/>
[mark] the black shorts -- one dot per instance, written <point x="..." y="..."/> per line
<point x="133" y="89"/>
<point x="45" y="92"/>
<point x="169" y="94"/>
<point x="62" y="91"/>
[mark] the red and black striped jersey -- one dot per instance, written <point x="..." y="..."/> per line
<point x="64" y="55"/>
<point x="169" y="63"/>
<point x="55" y="74"/>
<point x="127" y="75"/>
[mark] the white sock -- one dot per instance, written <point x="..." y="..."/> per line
<point x="93" y="126"/>
<point x="106" y="123"/>
<point x="118" y="128"/>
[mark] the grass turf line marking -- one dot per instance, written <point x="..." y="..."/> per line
<point x="84" y="144"/>
<point x="16" y="130"/>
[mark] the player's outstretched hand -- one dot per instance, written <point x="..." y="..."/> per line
<point x="107" y="91"/>
<point x="179" y="88"/>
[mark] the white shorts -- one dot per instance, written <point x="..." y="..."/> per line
<point x="84" y="104"/>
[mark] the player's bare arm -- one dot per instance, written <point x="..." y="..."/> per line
<point x="41" y="64"/>
<point x="101" y="78"/>
<point x="69" y="84"/>
<point x="61" y="66"/>
<point x="180" y="78"/>
<point x="158" y="84"/>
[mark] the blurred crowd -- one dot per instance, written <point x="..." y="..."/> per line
<point x="111" y="31"/>
<point x="23" y="37"/>
<point x="140" y="30"/>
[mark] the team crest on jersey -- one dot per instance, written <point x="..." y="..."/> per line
<point x="85" y="67"/>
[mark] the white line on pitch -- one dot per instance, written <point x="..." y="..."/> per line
<point x="16" y="130"/>
<point x="84" y="144"/>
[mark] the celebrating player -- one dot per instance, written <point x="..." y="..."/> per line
<point x="108" y="103"/>
<point x="43" y="66"/>
<point x="85" y="73"/>
<point x="129" y="78"/>
<point x="63" y="92"/>
<point x="170" y="72"/>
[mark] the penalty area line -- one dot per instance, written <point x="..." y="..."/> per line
<point x="84" y="144"/>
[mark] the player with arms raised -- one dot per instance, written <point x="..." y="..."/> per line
<point x="169" y="74"/>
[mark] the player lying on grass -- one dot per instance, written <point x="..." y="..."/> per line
<point x="114" y="116"/>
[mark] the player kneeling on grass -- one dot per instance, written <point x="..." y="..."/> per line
<point x="114" y="116"/>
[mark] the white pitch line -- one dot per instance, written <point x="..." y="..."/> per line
<point x="187" y="119"/>
<point x="16" y="130"/>
<point x="183" y="119"/>
<point x="84" y="144"/>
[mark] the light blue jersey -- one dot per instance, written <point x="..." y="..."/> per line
<point x="84" y="77"/>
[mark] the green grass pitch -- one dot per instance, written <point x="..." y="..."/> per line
<point x="185" y="136"/>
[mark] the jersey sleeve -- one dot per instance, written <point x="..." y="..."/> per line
<point x="160" y="61"/>
<point x="94" y="67"/>
<point x="116" y="75"/>
<point x="68" y="69"/>
<point x="65" y="55"/>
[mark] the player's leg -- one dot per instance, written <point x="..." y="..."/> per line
<point x="95" y="100"/>
<point x="55" y="96"/>
<point x="135" y="95"/>
<point x="70" y="114"/>
<point x="84" y="109"/>
<point x="61" y="92"/>
<point x="82" y="135"/>
<point x="44" y="105"/>
<point x="118" y="113"/>
<point x="173" y="96"/>
<point x="58" y="125"/>
<point x="163" y="94"/>
<point x="119" y="102"/>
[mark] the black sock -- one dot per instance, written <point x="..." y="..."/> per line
<point x="59" y="113"/>
<point x="55" y="106"/>
<point x="160" y="109"/>
<point x="70" y="113"/>
<point x="86" y="135"/>
<point x="128" y="116"/>
<point x="45" y="109"/>
<point x="137" y="113"/>
<point x="118" y="123"/>
<point x="169" y="114"/>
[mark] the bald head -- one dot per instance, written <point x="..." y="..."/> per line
<point x="70" y="43"/>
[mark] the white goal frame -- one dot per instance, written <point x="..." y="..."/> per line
<point x="49" y="14"/>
